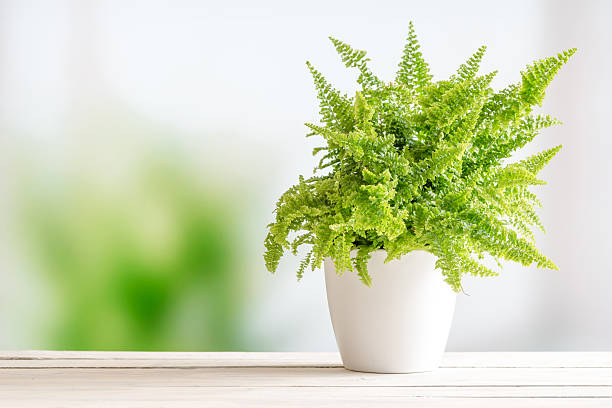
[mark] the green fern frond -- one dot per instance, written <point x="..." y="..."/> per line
<point x="413" y="71"/>
<point x="537" y="77"/>
<point x="537" y="162"/>
<point x="273" y="254"/>
<point x="334" y="106"/>
<point x="469" y="69"/>
<point x="361" y="265"/>
<point x="354" y="58"/>
<point x="514" y="175"/>
<point x="303" y="265"/>
<point x="457" y="100"/>
<point x="419" y="165"/>
<point x="442" y="158"/>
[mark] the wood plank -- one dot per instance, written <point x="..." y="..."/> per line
<point x="333" y="403"/>
<point x="127" y="359"/>
<point x="308" y="377"/>
<point x="294" y="397"/>
<point x="239" y="359"/>
<point x="545" y="359"/>
<point x="78" y="391"/>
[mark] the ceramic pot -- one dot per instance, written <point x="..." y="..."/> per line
<point x="401" y="323"/>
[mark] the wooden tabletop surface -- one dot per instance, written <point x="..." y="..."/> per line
<point x="150" y="379"/>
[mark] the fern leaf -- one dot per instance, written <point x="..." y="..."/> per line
<point x="457" y="100"/>
<point x="334" y="106"/>
<point x="361" y="265"/>
<point x="514" y="175"/>
<point x="442" y="158"/>
<point x="537" y="162"/>
<point x="273" y="254"/>
<point x="354" y="58"/>
<point x="413" y="71"/>
<point x="537" y="77"/>
<point x="303" y="265"/>
<point x="469" y="69"/>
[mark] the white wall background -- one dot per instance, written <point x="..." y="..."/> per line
<point x="229" y="80"/>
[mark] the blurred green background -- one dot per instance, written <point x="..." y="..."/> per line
<point x="152" y="265"/>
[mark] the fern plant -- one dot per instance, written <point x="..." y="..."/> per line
<point x="419" y="165"/>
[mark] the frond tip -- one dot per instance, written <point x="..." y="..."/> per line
<point x="413" y="71"/>
<point x="354" y="58"/>
<point x="469" y="69"/>
<point x="537" y="162"/>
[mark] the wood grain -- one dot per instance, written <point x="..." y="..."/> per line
<point x="136" y="379"/>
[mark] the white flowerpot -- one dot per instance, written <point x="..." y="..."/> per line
<point x="401" y="323"/>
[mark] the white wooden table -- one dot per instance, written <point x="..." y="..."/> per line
<point x="137" y="379"/>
